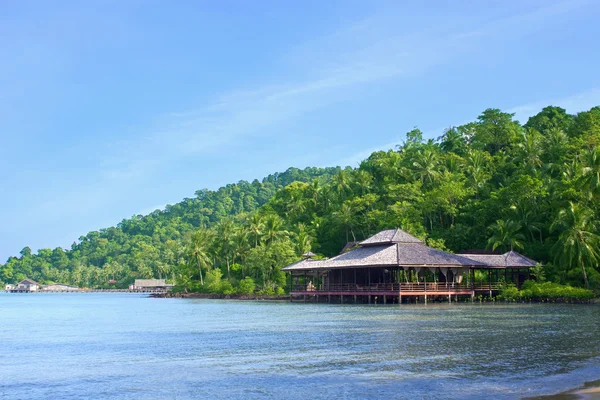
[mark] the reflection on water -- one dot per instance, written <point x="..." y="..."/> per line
<point x="130" y="346"/>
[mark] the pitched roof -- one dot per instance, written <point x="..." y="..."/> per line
<point x="390" y="236"/>
<point x="308" y="254"/>
<point x="397" y="254"/>
<point x="511" y="259"/>
<point x="304" y="264"/>
<point x="419" y="254"/>
<point x="29" y="282"/>
<point x="364" y="256"/>
<point x="395" y="247"/>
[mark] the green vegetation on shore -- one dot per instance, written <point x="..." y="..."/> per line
<point x="490" y="183"/>
<point x="545" y="292"/>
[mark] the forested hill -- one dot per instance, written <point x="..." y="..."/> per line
<point x="493" y="183"/>
<point x="153" y="244"/>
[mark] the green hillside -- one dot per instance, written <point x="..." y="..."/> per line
<point x="491" y="183"/>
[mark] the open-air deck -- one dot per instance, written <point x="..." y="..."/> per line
<point x="393" y="266"/>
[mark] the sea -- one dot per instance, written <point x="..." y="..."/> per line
<point x="131" y="346"/>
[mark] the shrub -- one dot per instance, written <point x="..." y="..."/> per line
<point x="227" y="287"/>
<point x="246" y="286"/>
<point x="267" y="291"/>
<point x="545" y="291"/>
<point x="510" y="293"/>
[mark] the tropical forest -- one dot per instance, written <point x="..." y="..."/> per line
<point x="494" y="183"/>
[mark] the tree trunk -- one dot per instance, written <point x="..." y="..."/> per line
<point x="228" y="274"/>
<point x="200" y="271"/>
<point x="585" y="277"/>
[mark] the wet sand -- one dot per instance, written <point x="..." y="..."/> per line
<point x="589" y="391"/>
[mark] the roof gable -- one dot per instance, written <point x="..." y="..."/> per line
<point x="390" y="236"/>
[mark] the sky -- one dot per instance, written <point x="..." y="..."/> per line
<point x="114" y="108"/>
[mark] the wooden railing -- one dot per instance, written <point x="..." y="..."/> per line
<point x="434" y="287"/>
<point x="396" y="287"/>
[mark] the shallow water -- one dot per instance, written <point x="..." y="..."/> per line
<point x="129" y="346"/>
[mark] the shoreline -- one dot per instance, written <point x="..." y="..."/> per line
<point x="216" y="296"/>
<point x="589" y="391"/>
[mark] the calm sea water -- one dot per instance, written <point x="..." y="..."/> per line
<point x="126" y="346"/>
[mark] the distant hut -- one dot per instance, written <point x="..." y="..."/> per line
<point x="150" y="285"/>
<point x="25" y="286"/>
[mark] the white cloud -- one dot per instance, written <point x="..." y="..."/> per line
<point x="573" y="104"/>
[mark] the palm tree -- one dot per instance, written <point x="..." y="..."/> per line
<point x="577" y="243"/>
<point x="274" y="228"/>
<point x="256" y="225"/>
<point x="345" y="216"/>
<point x="529" y="222"/>
<point x="530" y="151"/>
<point x="225" y="231"/>
<point x="426" y="166"/>
<point x="199" y="250"/>
<point x="303" y="240"/>
<point x="363" y="181"/>
<point x="341" y="184"/>
<point x="590" y="173"/>
<point x="506" y="235"/>
<point x="453" y="141"/>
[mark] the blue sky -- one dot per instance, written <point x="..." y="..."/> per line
<point x="114" y="108"/>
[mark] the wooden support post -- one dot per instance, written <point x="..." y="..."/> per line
<point x="329" y="298"/>
<point x="354" y="299"/>
<point x="369" y="299"/>
<point x="384" y="299"/>
<point x="449" y="298"/>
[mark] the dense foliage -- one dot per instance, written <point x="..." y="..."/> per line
<point x="546" y="292"/>
<point x="490" y="183"/>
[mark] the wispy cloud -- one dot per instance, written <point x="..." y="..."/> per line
<point x="573" y="104"/>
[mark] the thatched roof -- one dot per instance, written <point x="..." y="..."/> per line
<point x="305" y="264"/>
<point x="396" y="248"/>
<point x="511" y="259"/>
<point x="390" y="236"/>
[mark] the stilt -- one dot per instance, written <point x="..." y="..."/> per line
<point x="304" y="298"/>
<point x="400" y="299"/>
<point x="384" y="299"/>
<point x="449" y="298"/>
<point x="369" y="299"/>
<point x="329" y="298"/>
<point x="473" y="297"/>
<point x="354" y="299"/>
<point x="317" y="298"/>
<point x="425" y="299"/>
